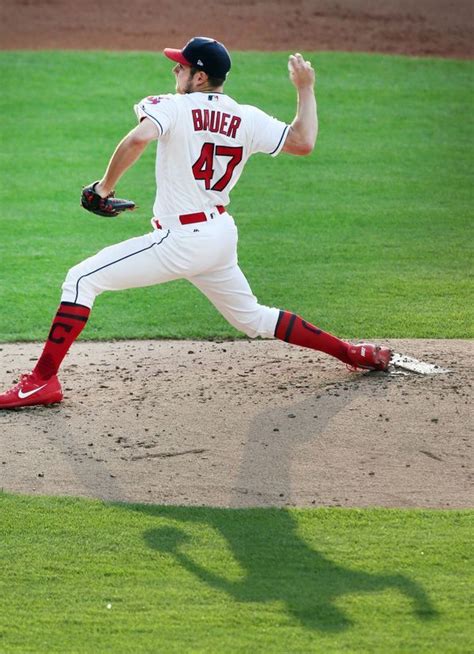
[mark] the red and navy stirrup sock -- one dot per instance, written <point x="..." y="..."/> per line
<point x="68" y="323"/>
<point x="293" y="329"/>
<point x="71" y="319"/>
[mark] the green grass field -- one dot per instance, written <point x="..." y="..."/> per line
<point x="218" y="580"/>
<point x="369" y="237"/>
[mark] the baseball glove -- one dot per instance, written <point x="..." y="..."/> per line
<point x="109" y="206"/>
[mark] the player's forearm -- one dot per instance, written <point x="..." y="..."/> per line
<point x="305" y="125"/>
<point x="125" y="155"/>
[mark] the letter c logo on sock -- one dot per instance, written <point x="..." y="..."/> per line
<point x="58" y="339"/>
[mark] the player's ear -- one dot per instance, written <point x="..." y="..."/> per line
<point x="201" y="77"/>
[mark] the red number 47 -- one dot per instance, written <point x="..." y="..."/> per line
<point x="203" y="168"/>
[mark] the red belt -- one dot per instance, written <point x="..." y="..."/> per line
<point x="190" y="218"/>
<point x="200" y="217"/>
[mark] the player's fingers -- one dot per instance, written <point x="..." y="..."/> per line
<point x="293" y="64"/>
<point x="296" y="58"/>
<point x="303" y="64"/>
<point x="296" y="64"/>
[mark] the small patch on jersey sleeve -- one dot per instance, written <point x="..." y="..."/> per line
<point x="158" y="109"/>
<point x="156" y="99"/>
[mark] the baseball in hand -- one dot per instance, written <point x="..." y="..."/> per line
<point x="301" y="72"/>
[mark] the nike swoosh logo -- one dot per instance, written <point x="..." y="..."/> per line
<point x="22" y="395"/>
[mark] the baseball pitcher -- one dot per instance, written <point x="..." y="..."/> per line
<point x="204" y="137"/>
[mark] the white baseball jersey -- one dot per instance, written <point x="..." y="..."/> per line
<point x="204" y="140"/>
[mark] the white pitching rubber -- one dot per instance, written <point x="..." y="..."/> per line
<point x="413" y="365"/>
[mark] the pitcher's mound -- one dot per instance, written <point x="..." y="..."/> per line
<point x="242" y="424"/>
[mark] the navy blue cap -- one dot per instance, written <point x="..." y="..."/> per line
<point x="205" y="54"/>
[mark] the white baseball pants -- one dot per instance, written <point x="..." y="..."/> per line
<point x="203" y="253"/>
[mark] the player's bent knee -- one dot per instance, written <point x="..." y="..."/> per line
<point x="78" y="287"/>
<point x="261" y="322"/>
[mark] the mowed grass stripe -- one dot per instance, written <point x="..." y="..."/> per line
<point x="368" y="237"/>
<point x="183" y="579"/>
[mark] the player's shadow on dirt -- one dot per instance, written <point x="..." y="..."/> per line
<point x="278" y="565"/>
<point x="276" y="437"/>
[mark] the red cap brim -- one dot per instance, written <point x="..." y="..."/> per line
<point x="176" y="55"/>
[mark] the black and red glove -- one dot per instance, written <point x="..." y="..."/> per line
<point x="109" y="206"/>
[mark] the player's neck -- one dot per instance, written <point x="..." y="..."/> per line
<point x="206" y="88"/>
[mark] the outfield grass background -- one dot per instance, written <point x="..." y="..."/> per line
<point x="369" y="237"/>
<point x="218" y="580"/>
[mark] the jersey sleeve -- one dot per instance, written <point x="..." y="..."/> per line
<point x="269" y="134"/>
<point x="160" y="109"/>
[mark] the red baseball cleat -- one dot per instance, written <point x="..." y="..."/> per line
<point x="369" y="356"/>
<point x="32" y="390"/>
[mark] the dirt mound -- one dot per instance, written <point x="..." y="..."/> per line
<point x="243" y="424"/>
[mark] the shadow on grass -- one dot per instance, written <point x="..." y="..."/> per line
<point x="277" y="565"/>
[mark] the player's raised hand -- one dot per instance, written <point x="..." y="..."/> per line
<point x="301" y="72"/>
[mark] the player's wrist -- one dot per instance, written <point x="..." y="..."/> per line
<point x="102" y="190"/>
<point x="306" y="88"/>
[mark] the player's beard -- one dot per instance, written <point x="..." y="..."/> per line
<point x="188" y="85"/>
<point x="188" y="88"/>
<point x="185" y="86"/>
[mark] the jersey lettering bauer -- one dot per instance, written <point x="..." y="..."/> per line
<point x="204" y="141"/>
